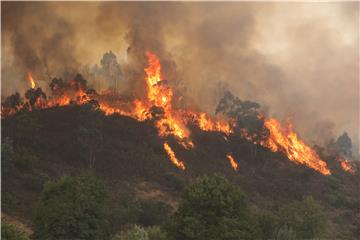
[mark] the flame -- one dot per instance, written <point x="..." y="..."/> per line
<point x="31" y="79"/>
<point x="287" y="141"/>
<point x="345" y="165"/>
<point x="205" y="123"/>
<point x="169" y="121"/>
<point x="160" y="95"/>
<point x="173" y="158"/>
<point x="232" y="161"/>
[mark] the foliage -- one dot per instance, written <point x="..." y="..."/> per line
<point x="156" y="233"/>
<point x="246" y="114"/>
<point x="135" y="233"/>
<point x="212" y="208"/>
<point x="13" y="101"/>
<point x="285" y="233"/>
<point x="304" y="217"/>
<point x="268" y="222"/>
<point x="11" y="232"/>
<point x="73" y="208"/>
<point x="142" y="212"/>
<point x="34" y="96"/>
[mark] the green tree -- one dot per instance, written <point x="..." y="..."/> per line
<point x="305" y="217"/>
<point x="11" y="232"/>
<point x="212" y="209"/>
<point x="73" y="208"/>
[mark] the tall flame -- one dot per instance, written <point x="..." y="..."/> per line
<point x="287" y="141"/>
<point x="232" y="161"/>
<point x="31" y="79"/>
<point x="170" y="121"/>
<point x="173" y="158"/>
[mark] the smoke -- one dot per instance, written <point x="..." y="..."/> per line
<point x="297" y="60"/>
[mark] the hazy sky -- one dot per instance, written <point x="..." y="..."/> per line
<point x="298" y="60"/>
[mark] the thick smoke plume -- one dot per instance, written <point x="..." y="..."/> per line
<point x="296" y="60"/>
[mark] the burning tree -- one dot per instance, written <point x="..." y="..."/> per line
<point x="248" y="119"/>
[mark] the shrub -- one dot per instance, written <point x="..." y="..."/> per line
<point x="73" y="208"/>
<point x="11" y="232"/>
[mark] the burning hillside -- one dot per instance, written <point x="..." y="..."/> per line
<point x="169" y="121"/>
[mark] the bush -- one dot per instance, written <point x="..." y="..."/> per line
<point x="213" y="209"/>
<point x="304" y="217"/>
<point x="285" y="233"/>
<point x="11" y="232"/>
<point x="73" y="208"/>
<point x="135" y="233"/>
<point x="156" y="233"/>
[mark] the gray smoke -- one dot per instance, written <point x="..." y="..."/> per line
<point x="298" y="60"/>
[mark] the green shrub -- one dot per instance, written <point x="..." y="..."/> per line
<point x="156" y="233"/>
<point x="11" y="232"/>
<point x="212" y="208"/>
<point x="305" y="217"/>
<point x="134" y="233"/>
<point x="73" y="208"/>
<point x="285" y="233"/>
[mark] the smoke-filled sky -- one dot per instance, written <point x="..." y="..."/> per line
<point x="298" y="60"/>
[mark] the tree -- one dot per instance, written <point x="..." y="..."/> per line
<point x="343" y="145"/>
<point x="11" y="232"/>
<point x="304" y="217"/>
<point x="73" y="208"/>
<point x="89" y="134"/>
<point x="245" y="113"/>
<point x="212" y="208"/>
<point x="36" y="97"/>
<point x="111" y="69"/>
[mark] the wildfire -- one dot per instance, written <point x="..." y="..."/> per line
<point x="345" y="165"/>
<point x="232" y="161"/>
<point x="287" y="141"/>
<point x="173" y="158"/>
<point x="31" y="79"/>
<point x="169" y="121"/>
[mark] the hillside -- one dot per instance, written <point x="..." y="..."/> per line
<point x="132" y="162"/>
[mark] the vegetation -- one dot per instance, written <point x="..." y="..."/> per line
<point x="11" y="232"/>
<point x="213" y="208"/>
<point x="46" y="144"/>
<point x="73" y="208"/>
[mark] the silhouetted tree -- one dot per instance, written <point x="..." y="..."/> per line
<point x="36" y="97"/>
<point x="246" y="115"/>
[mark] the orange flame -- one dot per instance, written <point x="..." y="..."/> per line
<point x="31" y="79"/>
<point x="173" y="158"/>
<point x="287" y="141"/>
<point x="160" y="95"/>
<point x="346" y="165"/>
<point x="232" y="161"/>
